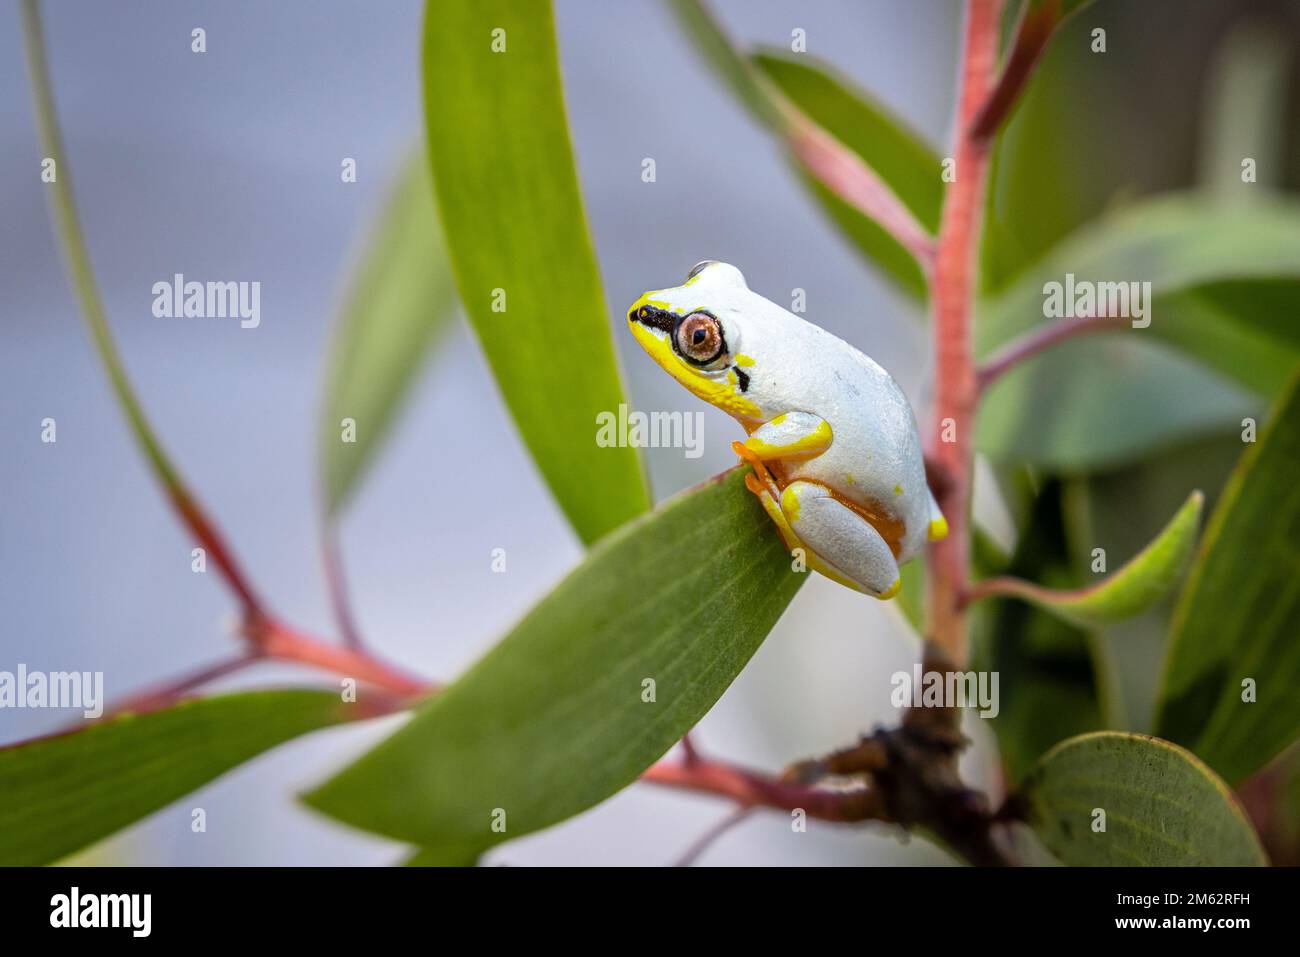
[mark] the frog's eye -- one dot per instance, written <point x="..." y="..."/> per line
<point x="699" y="338"/>
<point x="699" y="268"/>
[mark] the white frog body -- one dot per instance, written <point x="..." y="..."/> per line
<point x="833" y="442"/>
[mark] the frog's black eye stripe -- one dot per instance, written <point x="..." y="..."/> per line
<point x="655" y="318"/>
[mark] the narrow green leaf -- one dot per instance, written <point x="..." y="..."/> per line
<point x="508" y="196"/>
<point x="701" y="27"/>
<point x="401" y="298"/>
<point x="555" y="718"/>
<point x="1234" y="630"/>
<point x="1163" y="807"/>
<point x="901" y="157"/>
<point x="65" y="792"/>
<point x="82" y="275"/>
<point x="1110" y="399"/>
<point x="1129" y="590"/>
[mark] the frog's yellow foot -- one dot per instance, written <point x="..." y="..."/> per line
<point x="769" y="503"/>
<point x="761" y="472"/>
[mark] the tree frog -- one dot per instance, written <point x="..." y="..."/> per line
<point x="833" y="446"/>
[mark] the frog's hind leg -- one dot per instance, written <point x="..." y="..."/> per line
<point x="769" y="501"/>
<point x="841" y="544"/>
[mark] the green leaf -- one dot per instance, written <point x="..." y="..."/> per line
<point x="401" y="299"/>
<point x="1164" y="808"/>
<point x="64" y="792"/>
<point x="1237" y="616"/>
<point x="1175" y="243"/>
<point x="784" y="94"/>
<point x="507" y="191"/>
<point x="1122" y="511"/>
<point x="1065" y="7"/>
<point x="1107" y="400"/>
<point x="552" y="720"/>
<point x="1244" y="329"/>
<point x="446" y="856"/>
<point x="901" y="157"/>
<point x="748" y="85"/>
<point x="1129" y="590"/>
<point x="82" y="275"/>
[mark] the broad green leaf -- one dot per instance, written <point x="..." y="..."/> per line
<point x="555" y="718"/>
<point x="446" y="856"/>
<point x="1050" y="688"/>
<point x="1129" y="590"/>
<point x="1245" y="330"/>
<point x="64" y="792"/>
<point x="1175" y="243"/>
<point x="507" y="192"/>
<point x="1104" y="402"/>
<point x="1163" y="807"/>
<point x="782" y="93"/>
<point x="1112" y="398"/>
<point x="902" y="159"/>
<point x="401" y="298"/>
<point x="1237" y="617"/>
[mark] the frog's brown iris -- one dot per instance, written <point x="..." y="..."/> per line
<point x="699" y="338"/>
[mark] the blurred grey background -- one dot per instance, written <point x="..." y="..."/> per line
<point x="225" y="165"/>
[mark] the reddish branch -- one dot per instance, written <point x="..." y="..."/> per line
<point x="754" y="789"/>
<point x="952" y="285"/>
<point x="1044" y="337"/>
<point x="1037" y="24"/>
<point x="337" y="584"/>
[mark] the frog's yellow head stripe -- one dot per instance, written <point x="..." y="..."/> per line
<point x="720" y="388"/>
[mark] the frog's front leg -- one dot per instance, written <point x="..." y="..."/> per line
<point x="792" y="435"/>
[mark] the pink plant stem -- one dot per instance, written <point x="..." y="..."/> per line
<point x="952" y="285"/>
<point x="1037" y="24"/>
<point x="1037" y="341"/>
<point x="278" y="641"/>
<point x="169" y="692"/>
<point x="336" y="581"/>
<point x="750" y="788"/>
